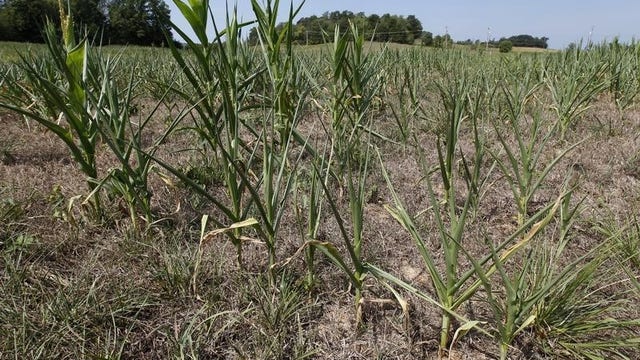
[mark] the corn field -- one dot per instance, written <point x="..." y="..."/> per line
<point x="345" y="200"/>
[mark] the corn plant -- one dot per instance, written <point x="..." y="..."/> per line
<point x="445" y="286"/>
<point x="559" y="300"/>
<point x="218" y="81"/>
<point x="580" y="304"/>
<point x="63" y="90"/>
<point x="454" y="95"/>
<point x="353" y="242"/>
<point x="622" y="77"/>
<point x="279" y="129"/>
<point x="277" y="48"/>
<point x="405" y="80"/>
<point x="527" y="283"/>
<point x="224" y="84"/>
<point x="481" y="95"/>
<point x="574" y="81"/>
<point x="455" y="100"/>
<point x="123" y="136"/>
<point x="311" y="189"/>
<point x="81" y="105"/>
<point x="452" y="285"/>
<point x="94" y="109"/>
<point x="355" y="82"/>
<point x="531" y="140"/>
<point x="219" y="87"/>
<point x="354" y="86"/>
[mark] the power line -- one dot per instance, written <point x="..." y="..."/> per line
<point x="372" y="33"/>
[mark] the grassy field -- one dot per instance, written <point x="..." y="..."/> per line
<point x="334" y="202"/>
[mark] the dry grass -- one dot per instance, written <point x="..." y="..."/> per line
<point x="103" y="290"/>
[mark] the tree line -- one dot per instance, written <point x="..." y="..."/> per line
<point x="527" y="41"/>
<point x="386" y="28"/>
<point x="504" y="42"/>
<point x="136" y="22"/>
<point x="516" y="41"/>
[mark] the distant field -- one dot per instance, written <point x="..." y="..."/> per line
<point x="9" y="51"/>
<point x="378" y="45"/>
<point x="529" y="49"/>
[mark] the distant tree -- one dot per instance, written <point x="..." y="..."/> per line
<point x="344" y="18"/>
<point x="467" y="42"/>
<point x="361" y="22"/>
<point x="438" y="41"/>
<point x="6" y="24"/>
<point x="372" y="21"/>
<point x="384" y="28"/>
<point x="138" y="22"/>
<point x="90" y="16"/>
<point x="127" y="22"/>
<point x="544" y="41"/>
<point x="23" y="20"/>
<point x="505" y="46"/>
<point x="300" y="33"/>
<point x="529" y="41"/>
<point x="158" y="22"/>
<point x="442" y="41"/>
<point x="427" y="38"/>
<point x="414" y="26"/>
<point x="392" y="28"/>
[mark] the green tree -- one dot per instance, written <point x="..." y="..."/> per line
<point x="529" y="41"/>
<point x="89" y="15"/>
<point x="126" y="22"/>
<point x="505" y="46"/>
<point x="442" y="41"/>
<point x="317" y="29"/>
<point x="427" y="38"/>
<point x="23" y="20"/>
<point x="372" y="21"/>
<point x="138" y="22"/>
<point x="414" y="26"/>
<point x="7" y="32"/>
<point x="158" y="22"/>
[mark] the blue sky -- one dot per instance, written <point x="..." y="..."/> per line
<point x="561" y="21"/>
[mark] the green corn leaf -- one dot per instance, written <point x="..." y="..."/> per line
<point x="77" y="64"/>
<point x="196" y="14"/>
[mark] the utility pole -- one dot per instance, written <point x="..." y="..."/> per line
<point x="590" y="36"/>
<point x="488" y="37"/>
<point x="446" y="37"/>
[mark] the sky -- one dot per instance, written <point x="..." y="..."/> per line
<point x="562" y="21"/>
